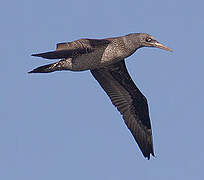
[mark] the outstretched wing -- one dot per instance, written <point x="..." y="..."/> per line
<point x="131" y="103"/>
<point x="71" y="49"/>
<point x="57" y="54"/>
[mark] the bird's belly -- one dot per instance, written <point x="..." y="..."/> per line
<point x="93" y="61"/>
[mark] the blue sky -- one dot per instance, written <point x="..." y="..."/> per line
<point x="63" y="126"/>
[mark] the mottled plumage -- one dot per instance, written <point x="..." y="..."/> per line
<point x="105" y="59"/>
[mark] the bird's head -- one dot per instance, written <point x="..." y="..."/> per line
<point x="147" y="40"/>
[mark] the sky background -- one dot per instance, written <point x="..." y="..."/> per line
<point x="63" y="126"/>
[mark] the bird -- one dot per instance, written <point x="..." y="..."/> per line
<point x="105" y="58"/>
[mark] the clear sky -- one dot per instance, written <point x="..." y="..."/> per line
<point x="63" y="126"/>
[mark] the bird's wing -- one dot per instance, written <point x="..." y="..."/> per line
<point x="131" y="103"/>
<point x="71" y="49"/>
<point x="56" y="54"/>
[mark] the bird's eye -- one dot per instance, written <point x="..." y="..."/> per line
<point x="148" y="39"/>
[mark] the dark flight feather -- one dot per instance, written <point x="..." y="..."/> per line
<point x="131" y="103"/>
<point x="73" y="49"/>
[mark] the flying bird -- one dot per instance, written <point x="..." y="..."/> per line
<point x="105" y="59"/>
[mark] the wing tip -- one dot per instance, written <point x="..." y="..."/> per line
<point x="148" y="152"/>
<point x="147" y="149"/>
<point x="31" y="72"/>
<point x="148" y="155"/>
<point x="36" y="55"/>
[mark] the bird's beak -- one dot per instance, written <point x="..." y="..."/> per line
<point x="161" y="46"/>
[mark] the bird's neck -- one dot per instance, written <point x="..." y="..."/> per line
<point x="132" y="42"/>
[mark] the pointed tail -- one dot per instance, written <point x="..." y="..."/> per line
<point x="48" y="68"/>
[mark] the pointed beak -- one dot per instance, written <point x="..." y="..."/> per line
<point x="161" y="46"/>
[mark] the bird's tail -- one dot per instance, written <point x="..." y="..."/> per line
<point x="48" y="68"/>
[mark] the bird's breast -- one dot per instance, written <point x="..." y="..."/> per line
<point x="98" y="58"/>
